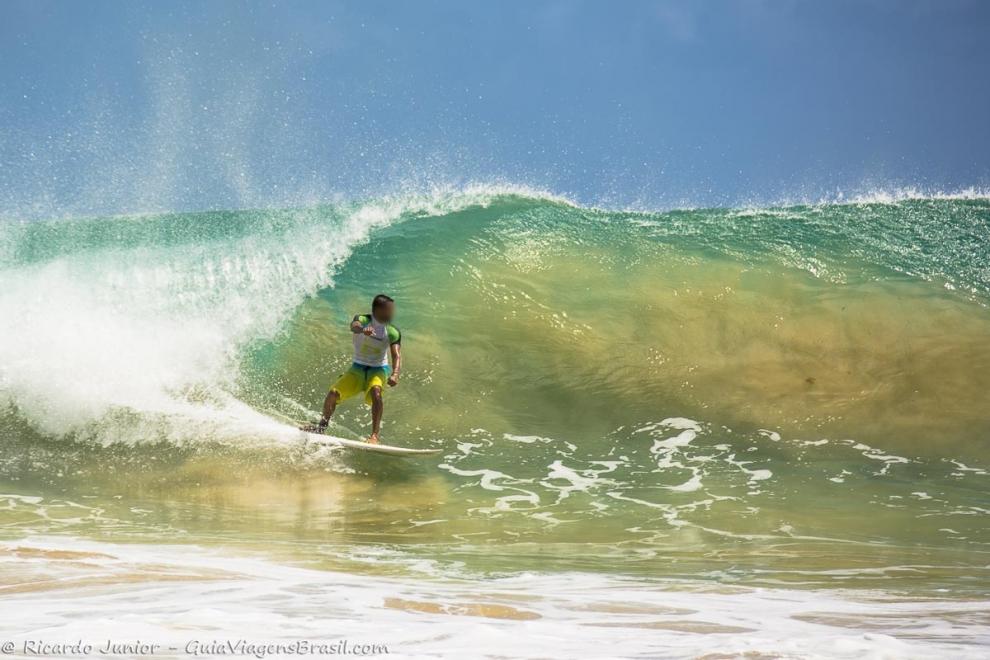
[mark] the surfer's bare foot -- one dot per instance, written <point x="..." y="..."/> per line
<point x="373" y="439"/>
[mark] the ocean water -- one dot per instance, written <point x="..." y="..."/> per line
<point x="695" y="433"/>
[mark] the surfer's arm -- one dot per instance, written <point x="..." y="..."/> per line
<point x="396" y="351"/>
<point x="360" y="324"/>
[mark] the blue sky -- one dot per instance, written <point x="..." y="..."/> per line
<point x="135" y="106"/>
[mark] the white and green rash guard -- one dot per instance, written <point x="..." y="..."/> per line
<point x="372" y="351"/>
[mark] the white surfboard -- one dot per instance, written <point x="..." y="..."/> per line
<point x="366" y="446"/>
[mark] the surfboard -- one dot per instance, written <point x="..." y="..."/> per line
<point x="391" y="450"/>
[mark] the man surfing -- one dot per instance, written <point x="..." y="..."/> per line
<point x="375" y="341"/>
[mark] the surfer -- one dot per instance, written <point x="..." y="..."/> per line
<point x="376" y="340"/>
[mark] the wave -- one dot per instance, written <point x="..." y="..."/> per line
<point x="757" y="396"/>
<point x="149" y="314"/>
<point x="176" y="327"/>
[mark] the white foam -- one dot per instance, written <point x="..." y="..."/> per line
<point x="682" y="439"/>
<point x="681" y="423"/>
<point x="962" y="467"/>
<point x="224" y="596"/>
<point x="875" y="454"/>
<point x="526" y="439"/>
<point x="908" y="193"/>
<point x="691" y="485"/>
<point x="864" y="196"/>
<point x="575" y="481"/>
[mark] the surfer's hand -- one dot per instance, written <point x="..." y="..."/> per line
<point x="393" y="380"/>
<point x="368" y="330"/>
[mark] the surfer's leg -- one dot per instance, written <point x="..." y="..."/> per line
<point x="347" y="385"/>
<point x="329" y="405"/>
<point x="377" y="407"/>
<point x="374" y="385"/>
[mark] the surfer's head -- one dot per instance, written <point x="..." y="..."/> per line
<point x="382" y="308"/>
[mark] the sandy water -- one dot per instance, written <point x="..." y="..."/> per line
<point x="664" y="435"/>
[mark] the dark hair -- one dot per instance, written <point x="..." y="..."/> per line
<point x="380" y="301"/>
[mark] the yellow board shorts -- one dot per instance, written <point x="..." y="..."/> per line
<point x="360" y="378"/>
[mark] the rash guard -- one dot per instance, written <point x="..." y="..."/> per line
<point x="372" y="351"/>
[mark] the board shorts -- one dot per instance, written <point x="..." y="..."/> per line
<point x="360" y="378"/>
